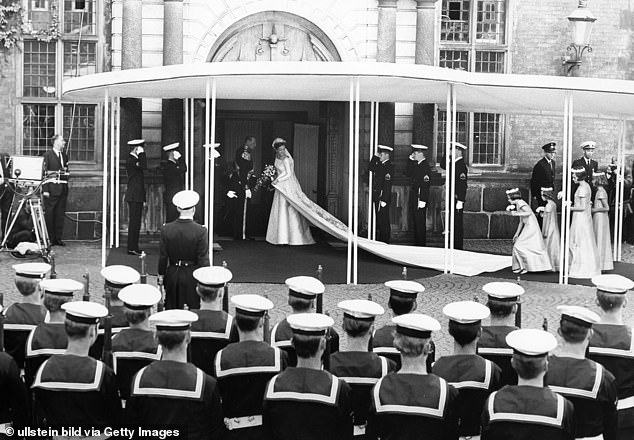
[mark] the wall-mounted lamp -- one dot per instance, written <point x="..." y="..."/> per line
<point x="581" y="21"/>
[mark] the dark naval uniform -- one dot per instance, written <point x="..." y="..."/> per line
<point x="118" y="322"/>
<point x="591" y="167"/>
<point x="55" y="203"/>
<point x="527" y="413"/>
<point x="420" y="172"/>
<point x="400" y="411"/>
<point x="302" y="404"/>
<point x="184" y="248"/>
<point x="282" y="334"/>
<point x="20" y="319"/>
<point x="135" y="197"/>
<point x="243" y="369"/>
<point x="176" y="394"/>
<point x="383" y="345"/>
<point x="361" y="370"/>
<point x="543" y="176"/>
<point x="612" y="346"/>
<point x="77" y="391"/>
<point x="382" y="192"/>
<point x="475" y="378"/>
<point x="460" y="181"/>
<point x="14" y="401"/>
<point x="174" y="181"/>
<point x="132" y="349"/>
<point x="592" y="390"/>
<point x="213" y="331"/>
<point x="492" y="346"/>
<point x="44" y="341"/>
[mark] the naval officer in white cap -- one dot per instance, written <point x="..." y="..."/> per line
<point x="172" y="392"/>
<point x="460" y="181"/>
<point x="528" y="410"/>
<point x="611" y="344"/>
<point x="419" y="171"/>
<point x="587" y="384"/>
<point x="135" y="165"/>
<point x="383" y="170"/>
<point x="174" y="171"/>
<point x="184" y="247"/>
<point x="73" y="389"/>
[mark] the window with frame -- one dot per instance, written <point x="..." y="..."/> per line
<point x="473" y="38"/>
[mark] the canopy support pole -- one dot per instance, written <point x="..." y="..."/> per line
<point x="374" y="148"/>
<point x="447" y="184"/>
<point x="104" y="200"/>
<point x="186" y="138"/>
<point x="620" y="189"/>
<point x="207" y="142"/>
<point x="117" y="169"/>
<point x="112" y="179"/>
<point x="356" y="185"/>
<point x="350" y="180"/>
<point x="370" y="176"/>
<point x="564" y="191"/>
<point x="192" y="143"/>
<point x="568" y="176"/>
<point x="211" y="150"/>
<point x="452" y="181"/>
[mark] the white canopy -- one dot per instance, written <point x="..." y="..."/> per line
<point x="380" y="82"/>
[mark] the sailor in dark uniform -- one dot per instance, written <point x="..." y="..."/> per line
<point x="400" y="408"/>
<point x="172" y="392"/>
<point x="402" y="300"/>
<point x="14" y="401"/>
<point x="460" y="181"/>
<point x="306" y="402"/>
<point x="173" y="179"/>
<point x="543" y="176"/>
<point x="22" y="317"/>
<point x="383" y="170"/>
<point x="587" y="163"/>
<point x="611" y="345"/>
<point x="474" y="377"/>
<point x="419" y="171"/>
<point x="587" y="384"/>
<point x="49" y="338"/>
<point x="528" y="410"/>
<point x="302" y="293"/>
<point x="214" y="329"/>
<point x="135" y="347"/>
<point x="135" y="165"/>
<point x="73" y="389"/>
<point x="184" y="247"/>
<point x="356" y="366"/>
<point x="244" y="368"/>
<point x="502" y="302"/>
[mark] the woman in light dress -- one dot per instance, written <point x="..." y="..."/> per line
<point x="286" y="224"/>
<point x="601" y="221"/>
<point x="584" y="255"/>
<point x="529" y="251"/>
<point x="550" y="227"/>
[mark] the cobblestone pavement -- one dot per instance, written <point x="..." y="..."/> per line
<point x="539" y="302"/>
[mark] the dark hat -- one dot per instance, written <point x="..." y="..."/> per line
<point x="549" y="147"/>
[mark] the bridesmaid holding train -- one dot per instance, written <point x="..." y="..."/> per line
<point x="550" y="226"/>
<point x="601" y="221"/>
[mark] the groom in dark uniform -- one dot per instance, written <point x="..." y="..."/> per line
<point x="543" y="177"/>
<point x="135" y="194"/>
<point x="420" y="172"/>
<point x="586" y="162"/>
<point x="383" y="170"/>
<point x="55" y="194"/>
<point x="240" y="203"/>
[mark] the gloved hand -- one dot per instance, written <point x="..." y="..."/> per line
<point x="540" y="209"/>
<point x="510" y="208"/>
<point x="232" y="194"/>
<point x="177" y="155"/>
<point x="567" y="203"/>
<point x="421" y="204"/>
<point x="139" y="150"/>
<point x="383" y="204"/>
<point x="46" y="194"/>
<point x="560" y="195"/>
<point x="459" y="204"/>
<point x="248" y="193"/>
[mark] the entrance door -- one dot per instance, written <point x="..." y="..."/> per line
<point x="305" y="154"/>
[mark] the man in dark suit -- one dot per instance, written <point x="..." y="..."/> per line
<point x="6" y="191"/>
<point x="236" y="193"/>
<point x="590" y="165"/>
<point x="383" y="170"/>
<point x="543" y="177"/>
<point x="460" y="182"/>
<point x="244" y="168"/>
<point x="184" y="247"/>
<point x="420" y="172"/>
<point x="173" y="179"/>
<point x="55" y="194"/>
<point x="135" y="194"/>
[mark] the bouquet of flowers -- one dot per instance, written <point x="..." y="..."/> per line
<point x="264" y="181"/>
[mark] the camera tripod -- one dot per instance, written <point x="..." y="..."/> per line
<point x="31" y="202"/>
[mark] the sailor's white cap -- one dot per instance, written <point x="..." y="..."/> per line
<point x="310" y="324"/>
<point x="32" y="270"/>
<point x="459" y="146"/>
<point x="588" y="145"/>
<point x="404" y="288"/>
<point x="135" y="142"/>
<point x="304" y="287"/>
<point x="140" y="296"/>
<point x="385" y="148"/>
<point x="213" y="276"/>
<point x="61" y="286"/>
<point x="466" y="312"/>
<point x="531" y="342"/>
<point x="613" y="283"/>
<point x="512" y="191"/>
<point x="361" y="309"/>
<point x="579" y="315"/>
<point x="503" y="290"/>
<point x="186" y="199"/>
<point x="119" y="275"/>
<point x="175" y="319"/>
<point x="171" y="147"/>
<point x="419" y="147"/>
<point x="252" y="305"/>
<point x="85" y="312"/>
<point x="416" y="325"/>
<point x="550" y="188"/>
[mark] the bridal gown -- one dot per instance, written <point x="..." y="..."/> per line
<point x="286" y="225"/>
<point x="584" y="255"/>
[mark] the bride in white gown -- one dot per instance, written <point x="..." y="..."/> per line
<point x="286" y="224"/>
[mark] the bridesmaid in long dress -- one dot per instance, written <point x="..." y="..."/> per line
<point x="601" y="220"/>
<point x="529" y="251"/>
<point x="550" y="226"/>
<point x="584" y="255"/>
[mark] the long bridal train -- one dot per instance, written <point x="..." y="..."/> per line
<point x="465" y="263"/>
